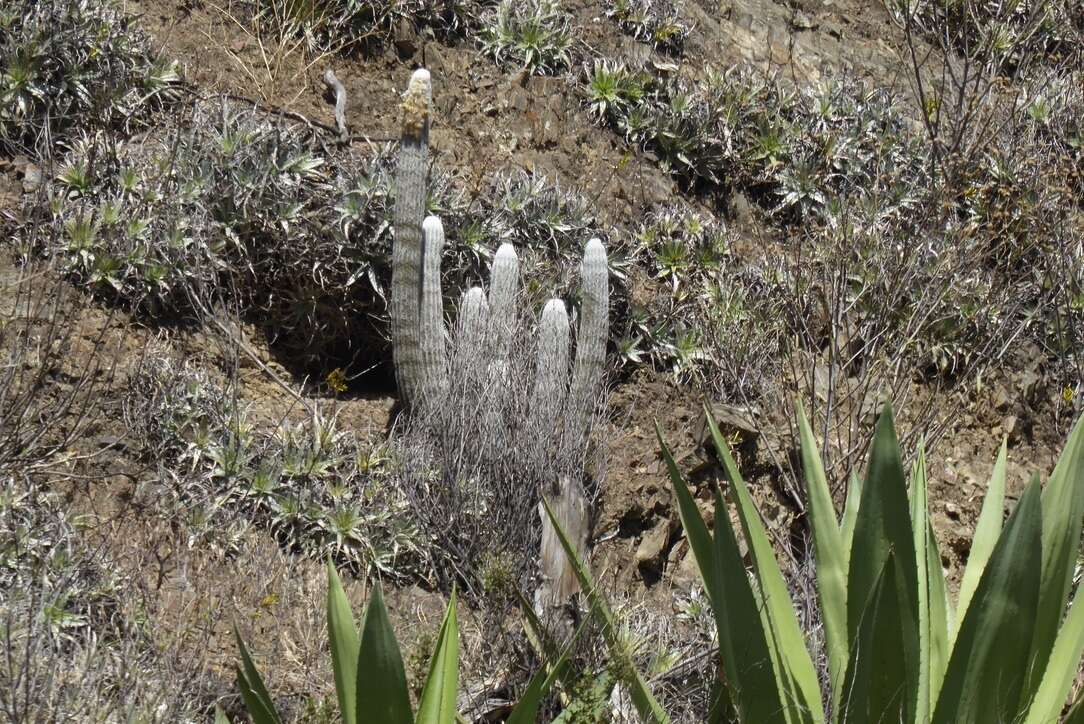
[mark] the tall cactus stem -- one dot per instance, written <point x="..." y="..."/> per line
<point x="593" y="330"/>
<point x="434" y="372"/>
<point x="407" y="249"/>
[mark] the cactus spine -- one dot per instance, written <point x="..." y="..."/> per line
<point x="503" y="287"/>
<point x="552" y="370"/>
<point x="473" y="319"/>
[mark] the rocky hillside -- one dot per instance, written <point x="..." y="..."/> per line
<point x="837" y="203"/>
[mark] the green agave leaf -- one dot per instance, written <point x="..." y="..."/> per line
<point x="220" y="716"/>
<point x="382" y="696"/>
<point x="873" y="690"/>
<point x="850" y="515"/>
<point x="801" y="690"/>
<point x="1062" y="668"/>
<point x="883" y="528"/>
<point x="920" y="535"/>
<point x="343" y="635"/>
<point x="255" y="695"/>
<point x="1063" y="515"/>
<point x="989" y="663"/>
<point x="646" y="705"/>
<point x="831" y="558"/>
<point x="940" y="616"/>
<point x="986" y="532"/>
<point x="752" y="687"/>
<point x="437" y="705"/>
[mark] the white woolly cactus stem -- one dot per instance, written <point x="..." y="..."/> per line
<point x="434" y="374"/>
<point x="406" y="257"/>
<point x="594" y="326"/>
<point x="503" y="286"/>
<point x="551" y="375"/>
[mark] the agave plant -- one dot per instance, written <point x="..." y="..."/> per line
<point x="898" y="649"/>
<point x="370" y="681"/>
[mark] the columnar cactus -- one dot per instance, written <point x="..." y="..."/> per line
<point x="406" y="256"/>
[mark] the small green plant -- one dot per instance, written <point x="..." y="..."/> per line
<point x="533" y="34"/>
<point x="370" y="681"/>
<point x="897" y="648"/>
<point x="656" y="22"/>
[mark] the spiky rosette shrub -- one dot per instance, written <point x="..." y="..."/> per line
<point x="535" y="35"/>
<point x="73" y="64"/>
<point x="321" y="491"/>
<point x="656" y="22"/>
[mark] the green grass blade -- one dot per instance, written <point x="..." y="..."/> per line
<point x="220" y="716"/>
<point x="798" y="674"/>
<point x="255" y="695"/>
<point x="751" y="688"/>
<point x="920" y="538"/>
<point x="1063" y="515"/>
<point x="883" y="527"/>
<point x="437" y="704"/>
<point x="873" y="690"/>
<point x="382" y="695"/>
<point x="1062" y="668"/>
<point x="831" y="558"/>
<point x="989" y="663"/>
<point x="986" y="532"/>
<point x="700" y="540"/>
<point x="646" y="705"/>
<point x="526" y="710"/>
<point x="343" y="634"/>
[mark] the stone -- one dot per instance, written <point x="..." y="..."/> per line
<point x="1010" y="427"/>
<point x="406" y="39"/>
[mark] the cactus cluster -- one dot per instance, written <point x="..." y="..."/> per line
<point x="560" y="400"/>
<point x="485" y="322"/>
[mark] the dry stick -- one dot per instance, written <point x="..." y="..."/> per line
<point x="340" y="104"/>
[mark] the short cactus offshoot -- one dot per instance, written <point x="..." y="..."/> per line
<point x="562" y="398"/>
